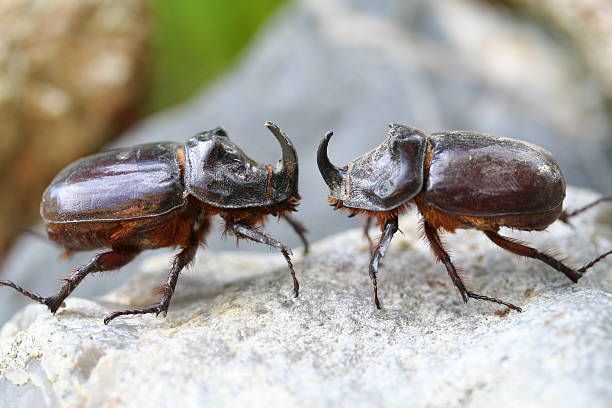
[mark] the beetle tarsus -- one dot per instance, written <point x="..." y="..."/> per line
<point x="473" y="295"/>
<point x="296" y="284"/>
<point x="34" y="296"/>
<point x="594" y="261"/>
<point x="390" y="228"/>
<point x="245" y="232"/>
<point x="156" y="309"/>
<point x="566" y="215"/>
<point x="300" y="230"/>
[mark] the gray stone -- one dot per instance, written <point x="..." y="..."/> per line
<point x="236" y="337"/>
<point x="353" y="66"/>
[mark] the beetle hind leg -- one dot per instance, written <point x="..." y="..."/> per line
<point x="517" y="247"/>
<point x="565" y="215"/>
<point x="106" y="261"/>
<point x="440" y="253"/>
<point x="521" y="249"/>
<point x="246" y="232"/>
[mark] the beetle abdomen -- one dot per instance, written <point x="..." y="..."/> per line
<point x="474" y="174"/>
<point x="120" y="184"/>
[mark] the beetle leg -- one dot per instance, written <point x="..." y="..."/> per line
<point x="442" y="255"/>
<point x="566" y="215"/>
<point x="245" y="232"/>
<point x="300" y="230"/>
<point x="181" y="260"/>
<point x="366" y="233"/>
<point x="106" y="261"/>
<point x="521" y="249"/>
<point x="390" y="228"/>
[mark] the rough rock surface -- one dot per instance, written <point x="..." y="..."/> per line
<point x="236" y="337"/>
<point x="71" y="78"/>
<point x="353" y="66"/>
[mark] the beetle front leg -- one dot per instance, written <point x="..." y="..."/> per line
<point x="245" y="232"/>
<point x="389" y="229"/>
<point x="300" y="230"/>
<point x="442" y="255"/>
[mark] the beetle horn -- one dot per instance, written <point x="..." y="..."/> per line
<point x="331" y="174"/>
<point x="289" y="155"/>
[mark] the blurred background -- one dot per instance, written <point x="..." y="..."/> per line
<point x="80" y="76"/>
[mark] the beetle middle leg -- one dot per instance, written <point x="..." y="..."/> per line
<point x="442" y="255"/>
<point x="300" y="230"/>
<point x="181" y="260"/>
<point x="366" y="233"/>
<point x="246" y="232"/>
<point x="106" y="261"/>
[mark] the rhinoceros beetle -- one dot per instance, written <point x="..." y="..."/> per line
<point x="456" y="180"/>
<point x="164" y="195"/>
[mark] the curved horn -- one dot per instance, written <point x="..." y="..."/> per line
<point x="289" y="154"/>
<point x="331" y="174"/>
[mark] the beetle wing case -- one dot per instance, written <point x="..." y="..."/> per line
<point x="474" y="174"/>
<point x="119" y="184"/>
<point x="388" y="176"/>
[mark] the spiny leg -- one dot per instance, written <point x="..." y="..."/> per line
<point x="521" y="249"/>
<point x="566" y="215"/>
<point x="441" y="254"/>
<point x="300" y="230"/>
<point x="181" y="260"/>
<point x="106" y="261"/>
<point x="245" y="232"/>
<point x="366" y="233"/>
<point x="390" y="227"/>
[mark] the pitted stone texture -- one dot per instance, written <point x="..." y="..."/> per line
<point x="235" y="336"/>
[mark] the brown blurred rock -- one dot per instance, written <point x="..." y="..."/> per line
<point x="71" y="77"/>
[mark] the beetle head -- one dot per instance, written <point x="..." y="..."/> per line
<point x="219" y="173"/>
<point x="382" y="179"/>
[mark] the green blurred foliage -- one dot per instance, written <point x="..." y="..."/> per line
<point x="196" y="40"/>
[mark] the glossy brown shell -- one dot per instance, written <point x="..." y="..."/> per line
<point x="120" y="184"/>
<point x="474" y="174"/>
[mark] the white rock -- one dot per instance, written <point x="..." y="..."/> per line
<point x="236" y="337"/>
